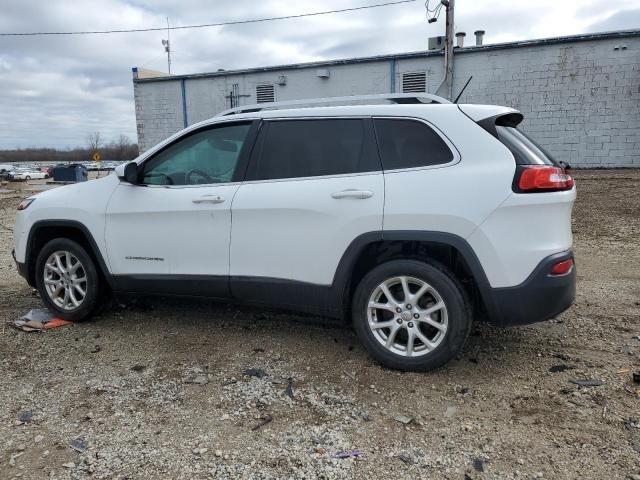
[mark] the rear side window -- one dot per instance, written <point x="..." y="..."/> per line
<point x="311" y="148"/>
<point x="410" y="143"/>
<point x="525" y="150"/>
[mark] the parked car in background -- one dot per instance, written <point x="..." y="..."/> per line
<point x="411" y="219"/>
<point x="27" y="174"/>
<point x="48" y="170"/>
<point x="6" y="171"/>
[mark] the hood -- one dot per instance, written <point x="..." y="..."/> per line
<point x="76" y="190"/>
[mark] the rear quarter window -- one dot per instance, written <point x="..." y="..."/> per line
<point x="523" y="148"/>
<point x="406" y="143"/>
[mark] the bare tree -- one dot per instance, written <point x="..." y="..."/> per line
<point x="122" y="145"/>
<point x="121" y="149"/>
<point x="94" y="141"/>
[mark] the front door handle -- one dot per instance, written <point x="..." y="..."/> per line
<point x="352" y="193"/>
<point x="209" y="199"/>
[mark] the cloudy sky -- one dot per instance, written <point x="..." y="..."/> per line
<point x="54" y="90"/>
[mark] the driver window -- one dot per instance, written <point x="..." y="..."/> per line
<point x="205" y="157"/>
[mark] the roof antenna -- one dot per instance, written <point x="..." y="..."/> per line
<point x="463" y="89"/>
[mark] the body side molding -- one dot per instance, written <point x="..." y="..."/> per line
<point x="517" y="305"/>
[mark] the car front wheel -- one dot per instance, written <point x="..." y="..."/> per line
<point x="67" y="279"/>
<point x="411" y="315"/>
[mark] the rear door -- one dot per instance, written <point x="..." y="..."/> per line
<point x="313" y="185"/>
<point x="421" y="194"/>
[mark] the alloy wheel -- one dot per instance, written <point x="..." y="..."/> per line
<point x="65" y="280"/>
<point x="407" y="316"/>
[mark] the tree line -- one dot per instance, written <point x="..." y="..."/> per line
<point x="120" y="149"/>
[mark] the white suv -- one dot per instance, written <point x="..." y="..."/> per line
<point x="411" y="218"/>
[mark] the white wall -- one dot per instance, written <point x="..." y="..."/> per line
<point x="158" y="111"/>
<point x="581" y="100"/>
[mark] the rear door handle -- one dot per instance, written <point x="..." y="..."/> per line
<point x="209" y="199"/>
<point x="352" y="193"/>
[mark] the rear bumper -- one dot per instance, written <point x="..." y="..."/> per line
<point x="540" y="297"/>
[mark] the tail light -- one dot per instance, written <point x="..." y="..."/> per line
<point x="542" y="178"/>
<point x="562" y="268"/>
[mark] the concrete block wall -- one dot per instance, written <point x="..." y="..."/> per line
<point x="158" y="111"/>
<point x="207" y="96"/>
<point x="581" y="99"/>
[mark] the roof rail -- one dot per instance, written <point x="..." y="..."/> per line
<point x="392" y="97"/>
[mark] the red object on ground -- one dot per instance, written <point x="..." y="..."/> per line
<point x="56" y="322"/>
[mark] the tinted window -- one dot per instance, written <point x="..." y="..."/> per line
<point x="310" y="148"/>
<point x="205" y="157"/>
<point x="410" y="143"/>
<point x="525" y="150"/>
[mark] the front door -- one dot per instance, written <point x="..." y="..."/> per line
<point x="171" y="231"/>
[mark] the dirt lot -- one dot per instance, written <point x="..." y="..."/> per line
<point x="506" y="409"/>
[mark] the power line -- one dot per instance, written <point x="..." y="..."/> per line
<point x="435" y="12"/>
<point x="205" y="25"/>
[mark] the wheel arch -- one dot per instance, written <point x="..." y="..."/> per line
<point x="374" y="248"/>
<point x="43" y="231"/>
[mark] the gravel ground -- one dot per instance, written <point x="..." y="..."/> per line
<point x="121" y="387"/>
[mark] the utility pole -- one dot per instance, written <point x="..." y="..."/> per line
<point x="167" y="46"/>
<point x="446" y="87"/>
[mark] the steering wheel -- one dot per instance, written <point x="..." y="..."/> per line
<point x="195" y="171"/>
<point x="168" y="179"/>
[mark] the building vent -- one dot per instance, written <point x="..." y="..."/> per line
<point x="265" y="93"/>
<point x="414" y="82"/>
<point x="436" y="43"/>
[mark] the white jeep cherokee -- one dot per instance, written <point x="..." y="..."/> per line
<point x="410" y="218"/>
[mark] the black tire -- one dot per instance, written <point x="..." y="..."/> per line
<point x="453" y="296"/>
<point x="93" y="285"/>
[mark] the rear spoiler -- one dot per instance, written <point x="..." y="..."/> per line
<point x="488" y="116"/>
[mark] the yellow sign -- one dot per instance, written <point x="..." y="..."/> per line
<point x="96" y="157"/>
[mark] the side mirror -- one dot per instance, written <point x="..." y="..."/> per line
<point x="128" y="173"/>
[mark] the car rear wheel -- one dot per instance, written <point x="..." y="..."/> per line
<point x="411" y="315"/>
<point x="67" y="279"/>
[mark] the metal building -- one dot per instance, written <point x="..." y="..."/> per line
<point x="580" y="94"/>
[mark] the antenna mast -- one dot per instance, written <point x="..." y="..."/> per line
<point x="167" y="46"/>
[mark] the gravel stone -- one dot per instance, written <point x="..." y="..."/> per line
<point x="141" y="420"/>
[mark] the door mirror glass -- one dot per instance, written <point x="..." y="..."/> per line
<point x="129" y="173"/>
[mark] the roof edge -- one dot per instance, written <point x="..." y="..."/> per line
<point x="422" y="53"/>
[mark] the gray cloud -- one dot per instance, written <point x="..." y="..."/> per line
<point x="627" y="19"/>
<point x="55" y="90"/>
